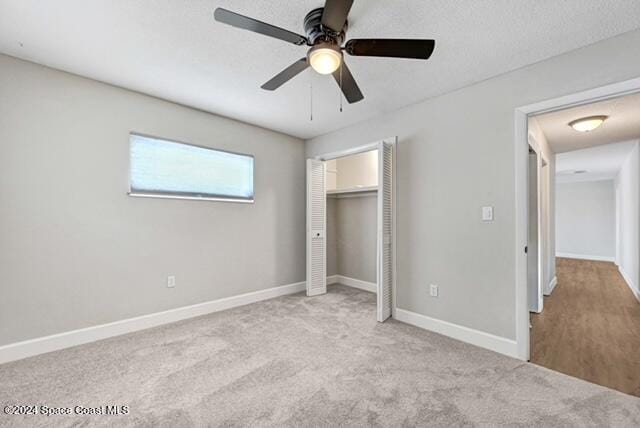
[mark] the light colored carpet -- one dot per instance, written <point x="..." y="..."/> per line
<point x="298" y="361"/>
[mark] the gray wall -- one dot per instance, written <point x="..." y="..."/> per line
<point x="628" y="191"/>
<point x="455" y="154"/>
<point x="351" y="237"/>
<point x="332" y="238"/>
<point x="586" y="219"/>
<point x="76" y="251"/>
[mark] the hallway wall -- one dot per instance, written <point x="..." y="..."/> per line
<point x="586" y="219"/>
<point x="628" y="185"/>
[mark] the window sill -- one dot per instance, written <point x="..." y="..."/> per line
<point x="190" y="198"/>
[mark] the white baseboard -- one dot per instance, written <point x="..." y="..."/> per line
<point x="498" y="344"/>
<point x="41" y="345"/>
<point x="332" y="279"/>
<point x="586" y="257"/>
<point x="633" y="287"/>
<point x="551" y="286"/>
<point x="352" y="282"/>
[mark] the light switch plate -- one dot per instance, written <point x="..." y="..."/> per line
<point x="171" y="281"/>
<point x="487" y="213"/>
<point x="433" y="290"/>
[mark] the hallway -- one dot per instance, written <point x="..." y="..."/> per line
<point x="590" y="326"/>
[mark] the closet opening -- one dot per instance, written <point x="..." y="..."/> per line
<point x="350" y="225"/>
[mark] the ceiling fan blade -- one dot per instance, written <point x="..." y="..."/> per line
<point x="287" y="74"/>
<point x="394" y="48"/>
<point x="335" y="14"/>
<point x="236" y="20"/>
<point x="349" y="86"/>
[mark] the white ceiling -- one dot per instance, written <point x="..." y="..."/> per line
<point x="623" y="124"/>
<point x="176" y="51"/>
<point x="600" y="163"/>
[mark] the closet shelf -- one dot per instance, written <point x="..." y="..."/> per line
<point x="367" y="189"/>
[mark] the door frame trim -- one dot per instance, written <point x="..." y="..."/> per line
<point x="521" y="117"/>
<point x="533" y="144"/>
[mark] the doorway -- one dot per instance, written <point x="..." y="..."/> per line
<point x="321" y="184"/>
<point x="587" y="327"/>
<point x="521" y="150"/>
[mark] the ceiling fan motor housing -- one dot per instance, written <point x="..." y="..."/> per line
<point x="317" y="33"/>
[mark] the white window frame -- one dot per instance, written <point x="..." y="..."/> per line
<point x="183" y="195"/>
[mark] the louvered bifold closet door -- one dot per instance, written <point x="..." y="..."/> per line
<point x="316" y="228"/>
<point x="385" y="230"/>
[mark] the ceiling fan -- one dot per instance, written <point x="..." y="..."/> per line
<point x="326" y="29"/>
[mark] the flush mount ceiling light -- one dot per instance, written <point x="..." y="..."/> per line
<point x="325" y="58"/>
<point x="587" y="124"/>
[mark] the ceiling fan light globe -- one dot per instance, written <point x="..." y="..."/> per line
<point x="325" y="60"/>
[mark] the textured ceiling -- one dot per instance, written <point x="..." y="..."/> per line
<point x="623" y="124"/>
<point x="599" y="163"/>
<point x="174" y="50"/>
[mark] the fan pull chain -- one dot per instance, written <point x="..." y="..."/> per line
<point x="311" y="99"/>
<point x="340" y="93"/>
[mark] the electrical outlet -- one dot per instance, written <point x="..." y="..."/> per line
<point x="433" y="290"/>
<point x="171" y="281"/>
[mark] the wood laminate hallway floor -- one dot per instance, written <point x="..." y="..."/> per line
<point x="590" y="326"/>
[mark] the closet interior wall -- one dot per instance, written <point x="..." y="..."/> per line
<point x="352" y="216"/>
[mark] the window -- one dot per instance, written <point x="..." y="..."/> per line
<point x="162" y="168"/>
